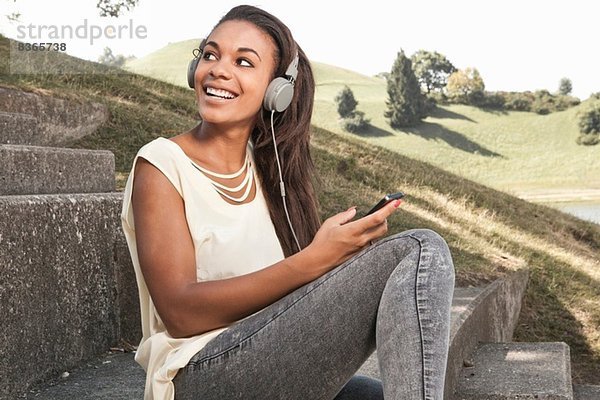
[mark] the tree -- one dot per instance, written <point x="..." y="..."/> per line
<point x="465" y="85"/>
<point x="114" y="8"/>
<point x="355" y="122"/>
<point x="346" y="103"/>
<point x="108" y="58"/>
<point x="565" y="87"/>
<point x="108" y="8"/>
<point x="405" y="102"/>
<point x="589" y="124"/>
<point x="432" y="70"/>
<point x="352" y="120"/>
<point x="589" y="119"/>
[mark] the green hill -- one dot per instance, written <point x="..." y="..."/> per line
<point x="511" y="151"/>
<point x="168" y="64"/>
<point x="489" y="232"/>
<point x="516" y="152"/>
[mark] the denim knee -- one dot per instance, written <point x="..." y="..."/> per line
<point x="431" y="242"/>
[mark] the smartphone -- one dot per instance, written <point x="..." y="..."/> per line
<point x="384" y="201"/>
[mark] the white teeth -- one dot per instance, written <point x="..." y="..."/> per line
<point x="220" y="93"/>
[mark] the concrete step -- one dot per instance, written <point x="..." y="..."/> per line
<point x="498" y="371"/>
<point x="486" y="314"/>
<point x="44" y="170"/>
<point x="58" y="120"/>
<point x="112" y="376"/>
<point x="18" y="128"/>
<point x="67" y="285"/>
<point x="586" y="392"/>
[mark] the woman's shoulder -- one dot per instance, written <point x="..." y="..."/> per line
<point x="162" y="150"/>
<point x="165" y="155"/>
<point x="157" y="144"/>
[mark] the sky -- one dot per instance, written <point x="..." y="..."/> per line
<point x="516" y="45"/>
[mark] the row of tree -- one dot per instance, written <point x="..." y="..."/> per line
<point x="416" y="84"/>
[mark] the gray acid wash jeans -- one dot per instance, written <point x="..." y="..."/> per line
<point x="394" y="295"/>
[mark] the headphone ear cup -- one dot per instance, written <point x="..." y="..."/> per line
<point x="192" y="71"/>
<point x="278" y="95"/>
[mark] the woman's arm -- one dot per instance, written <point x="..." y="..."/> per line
<point x="167" y="260"/>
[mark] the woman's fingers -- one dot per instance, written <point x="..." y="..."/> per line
<point x="377" y="222"/>
<point x="377" y="218"/>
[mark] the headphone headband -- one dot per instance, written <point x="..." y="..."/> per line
<point x="292" y="69"/>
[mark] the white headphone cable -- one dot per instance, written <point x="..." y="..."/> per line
<point x="282" y="185"/>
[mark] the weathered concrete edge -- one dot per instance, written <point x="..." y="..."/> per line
<point x="58" y="120"/>
<point x="53" y="170"/>
<point x="586" y="392"/>
<point x="491" y="317"/>
<point x="506" y="370"/>
<point x="117" y="274"/>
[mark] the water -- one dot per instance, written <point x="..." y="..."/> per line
<point x="589" y="211"/>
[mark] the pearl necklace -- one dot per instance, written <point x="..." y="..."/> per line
<point x="247" y="182"/>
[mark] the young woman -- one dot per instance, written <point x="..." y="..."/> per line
<point x="237" y="301"/>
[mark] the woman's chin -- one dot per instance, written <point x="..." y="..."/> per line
<point x="217" y="116"/>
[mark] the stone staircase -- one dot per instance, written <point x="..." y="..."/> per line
<point x="479" y="366"/>
<point x="65" y="275"/>
<point x="68" y="292"/>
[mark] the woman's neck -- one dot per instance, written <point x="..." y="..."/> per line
<point x="227" y="144"/>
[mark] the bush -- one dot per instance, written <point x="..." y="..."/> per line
<point x="541" y="102"/>
<point x="476" y="98"/>
<point x="487" y="100"/>
<point x="563" y="102"/>
<point x="518" y="104"/>
<point x="429" y="103"/>
<point x="352" y="120"/>
<point x="589" y="119"/>
<point x="540" y="108"/>
<point x="437" y="98"/>
<point x="589" y="139"/>
<point x="356" y="122"/>
<point x="346" y="103"/>
<point x="589" y="125"/>
<point x="465" y="86"/>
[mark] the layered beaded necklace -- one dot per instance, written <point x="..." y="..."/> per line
<point x="246" y="183"/>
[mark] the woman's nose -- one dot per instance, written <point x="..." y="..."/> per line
<point x="220" y="69"/>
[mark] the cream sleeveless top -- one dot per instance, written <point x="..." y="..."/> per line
<point x="229" y="240"/>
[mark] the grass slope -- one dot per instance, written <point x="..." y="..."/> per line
<point x="489" y="232"/>
<point x="168" y="64"/>
<point x="511" y="151"/>
<point x="517" y="152"/>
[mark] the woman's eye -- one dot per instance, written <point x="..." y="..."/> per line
<point x="209" y="56"/>
<point x="245" y="63"/>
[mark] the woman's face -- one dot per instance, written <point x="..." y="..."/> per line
<point x="236" y="67"/>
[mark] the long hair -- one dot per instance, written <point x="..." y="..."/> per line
<point x="292" y="132"/>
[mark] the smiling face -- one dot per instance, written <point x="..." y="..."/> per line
<point x="236" y="67"/>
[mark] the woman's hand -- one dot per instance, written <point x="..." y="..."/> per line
<point x="339" y="238"/>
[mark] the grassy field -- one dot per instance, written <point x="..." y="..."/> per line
<point x="170" y="62"/>
<point x="517" y="152"/>
<point x="489" y="232"/>
<point x="512" y="151"/>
